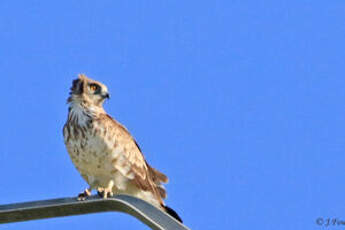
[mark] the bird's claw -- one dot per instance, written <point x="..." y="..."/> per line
<point x="105" y="193"/>
<point x="82" y="196"/>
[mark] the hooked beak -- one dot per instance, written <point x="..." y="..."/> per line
<point x="106" y="96"/>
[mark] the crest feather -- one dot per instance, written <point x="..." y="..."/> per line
<point x="82" y="76"/>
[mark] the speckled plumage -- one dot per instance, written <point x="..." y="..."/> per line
<point x="103" y="151"/>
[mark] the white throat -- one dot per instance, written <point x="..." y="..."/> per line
<point x="81" y="114"/>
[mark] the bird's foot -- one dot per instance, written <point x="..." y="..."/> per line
<point x="82" y="196"/>
<point x="105" y="192"/>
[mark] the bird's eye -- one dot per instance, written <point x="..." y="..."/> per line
<point x="93" y="87"/>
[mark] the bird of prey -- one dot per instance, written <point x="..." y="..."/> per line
<point x="104" y="152"/>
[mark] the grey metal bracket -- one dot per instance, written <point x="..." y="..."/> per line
<point x="143" y="211"/>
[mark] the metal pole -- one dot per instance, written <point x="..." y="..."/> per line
<point x="143" y="211"/>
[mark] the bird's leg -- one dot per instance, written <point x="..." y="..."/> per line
<point x="86" y="193"/>
<point x="100" y="191"/>
<point x="106" y="192"/>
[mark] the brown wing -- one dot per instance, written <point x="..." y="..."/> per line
<point x="158" y="178"/>
<point x="145" y="177"/>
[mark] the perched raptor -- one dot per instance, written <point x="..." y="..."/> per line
<point x="104" y="152"/>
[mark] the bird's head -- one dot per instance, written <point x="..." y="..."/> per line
<point x="88" y="91"/>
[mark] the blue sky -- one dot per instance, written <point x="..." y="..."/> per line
<point x="240" y="103"/>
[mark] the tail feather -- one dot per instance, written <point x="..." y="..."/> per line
<point x="172" y="213"/>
